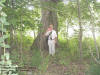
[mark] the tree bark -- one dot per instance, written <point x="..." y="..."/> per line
<point x="80" y="31"/>
<point x="93" y="30"/>
<point x="0" y="47"/>
<point x="11" y="36"/>
<point x="12" y="28"/>
<point x="49" y="16"/>
<point x="29" y="73"/>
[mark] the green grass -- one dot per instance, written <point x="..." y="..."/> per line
<point x="94" y="69"/>
<point x="66" y="53"/>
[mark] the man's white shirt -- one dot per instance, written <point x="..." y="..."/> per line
<point x="53" y="35"/>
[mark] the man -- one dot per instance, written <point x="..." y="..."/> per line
<point x="52" y="36"/>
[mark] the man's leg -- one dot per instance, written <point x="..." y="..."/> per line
<point x="53" y="47"/>
<point x="50" y="46"/>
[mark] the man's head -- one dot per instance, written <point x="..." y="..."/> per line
<point x="51" y="26"/>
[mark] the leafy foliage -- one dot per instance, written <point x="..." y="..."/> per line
<point x="3" y="23"/>
<point x="24" y="15"/>
<point x="94" y="70"/>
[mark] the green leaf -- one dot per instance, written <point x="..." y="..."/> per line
<point x="2" y="1"/>
<point x="2" y="20"/>
<point x="3" y="30"/>
<point x="6" y="23"/>
<point x="1" y="4"/>
<point x="0" y="8"/>
<point x="3" y="38"/>
<point x="3" y="14"/>
<point x="4" y="45"/>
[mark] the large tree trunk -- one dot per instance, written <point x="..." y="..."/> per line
<point x="49" y="16"/>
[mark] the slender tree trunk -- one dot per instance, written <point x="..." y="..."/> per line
<point x="67" y="27"/>
<point x="0" y="47"/>
<point x="29" y="73"/>
<point x="21" y="38"/>
<point x="49" y="16"/>
<point x="80" y="31"/>
<point x="95" y="43"/>
<point x="12" y="28"/>
<point x="34" y="33"/>
<point x="93" y="30"/>
<point x="11" y="37"/>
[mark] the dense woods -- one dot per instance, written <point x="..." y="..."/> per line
<point x="23" y="24"/>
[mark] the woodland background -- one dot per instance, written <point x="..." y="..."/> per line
<point x="77" y="22"/>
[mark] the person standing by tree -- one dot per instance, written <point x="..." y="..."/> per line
<point x="52" y="37"/>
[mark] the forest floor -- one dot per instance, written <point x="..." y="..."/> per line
<point x="65" y="62"/>
<point x="73" y="68"/>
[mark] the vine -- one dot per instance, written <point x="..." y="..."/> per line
<point x="6" y="66"/>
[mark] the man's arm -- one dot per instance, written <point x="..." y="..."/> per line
<point x="47" y="33"/>
<point x="55" y="37"/>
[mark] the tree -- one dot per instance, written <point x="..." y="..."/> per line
<point x="80" y="31"/>
<point x="49" y="16"/>
<point x="90" y="8"/>
<point x="3" y="24"/>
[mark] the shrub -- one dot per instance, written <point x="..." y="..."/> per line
<point x="94" y="70"/>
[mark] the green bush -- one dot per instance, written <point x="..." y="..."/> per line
<point x="94" y="70"/>
<point x="87" y="44"/>
<point x="44" y="65"/>
<point x="36" y="58"/>
<point x="73" y="46"/>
